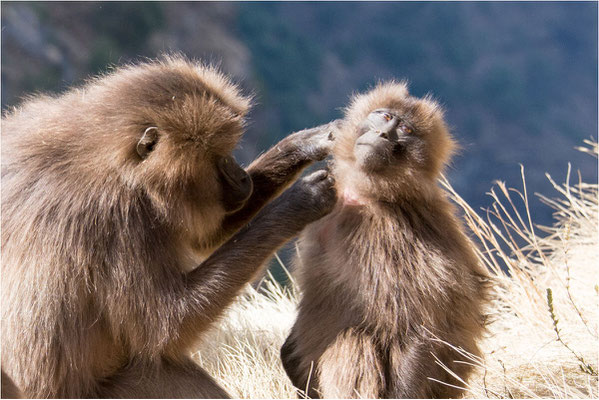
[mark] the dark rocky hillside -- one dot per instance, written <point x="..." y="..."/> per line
<point x="518" y="80"/>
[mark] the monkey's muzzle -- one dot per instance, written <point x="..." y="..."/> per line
<point x="236" y="184"/>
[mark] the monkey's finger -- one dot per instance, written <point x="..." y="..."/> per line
<point x="317" y="176"/>
<point x="334" y="128"/>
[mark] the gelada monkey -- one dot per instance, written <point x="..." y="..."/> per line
<point x="390" y="270"/>
<point x="119" y="202"/>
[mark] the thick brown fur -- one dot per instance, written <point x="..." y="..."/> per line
<point x="389" y="271"/>
<point x="109" y="273"/>
<point x="9" y="389"/>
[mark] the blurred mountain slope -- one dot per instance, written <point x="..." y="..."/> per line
<point x="518" y="80"/>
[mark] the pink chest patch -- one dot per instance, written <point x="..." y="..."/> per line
<point x="328" y="226"/>
<point x="351" y="198"/>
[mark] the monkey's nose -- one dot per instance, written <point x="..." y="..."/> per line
<point x="389" y="134"/>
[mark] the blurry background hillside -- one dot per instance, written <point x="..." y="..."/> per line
<point x="518" y="80"/>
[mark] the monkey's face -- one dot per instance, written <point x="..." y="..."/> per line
<point x="384" y="139"/>
<point x="191" y="186"/>
<point x="191" y="174"/>
<point x="236" y="184"/>
<point x="392" y="142"/>
<point x="408" y="136"/>
<point x="182" y="122"/>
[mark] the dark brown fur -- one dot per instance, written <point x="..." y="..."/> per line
<point x="390" y="269"/>
<point x="9" y="389"/>
<point x="109" y="273"/>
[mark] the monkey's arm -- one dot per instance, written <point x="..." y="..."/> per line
<point x="214" y="283"/>
<point x="276" y="169"/>
<point x="352" y="367"/>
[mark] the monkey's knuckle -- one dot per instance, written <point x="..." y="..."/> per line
<point x="326" y="195"/>
<point x="318" y="142"/>
<point x="315" y="177"/>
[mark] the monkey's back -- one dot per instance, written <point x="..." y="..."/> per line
<point x="385" y="280"/>
<point x="67" y="259"/>
<point x="53" y="256"/>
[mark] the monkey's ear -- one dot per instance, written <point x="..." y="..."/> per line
<point x="147" y="142"/>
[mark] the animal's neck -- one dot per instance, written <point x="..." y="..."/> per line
<point x="354" y="189"/>
<point x="357" y="188"/>
<point x="350" y="197"/>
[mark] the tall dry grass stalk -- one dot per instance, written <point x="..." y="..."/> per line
<point x="242" y="353"/>
<point x="542" y="336"/>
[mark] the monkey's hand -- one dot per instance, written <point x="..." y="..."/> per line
<point x="274" y="170"/>
<point x="316" y="143"/>
<point x="237" y="261"/>
<point x="309" y="199"/>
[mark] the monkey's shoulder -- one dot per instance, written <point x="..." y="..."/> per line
<point x="397" y="236"/>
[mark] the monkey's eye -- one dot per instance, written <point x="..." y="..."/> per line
<point x="406" y="129"/>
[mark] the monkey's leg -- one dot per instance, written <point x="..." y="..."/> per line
<point x="280" y="166"/>
<point x="351" y="367"/>
<point x="408" y="368"/>
<point x="169" y="380"/>
<point x="458" y="364"/>
<point x="411" y="368"/>
<point x="299" y="375"/>
<point x="414" y="373"/>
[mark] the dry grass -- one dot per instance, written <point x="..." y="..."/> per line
<point x="542" y="339"/>
<point x="243" y="352"/>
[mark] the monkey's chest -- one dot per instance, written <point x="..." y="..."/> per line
<point x="380" y="265"/>
<point x="338" y="229"/>
<point x="350" y="251"/>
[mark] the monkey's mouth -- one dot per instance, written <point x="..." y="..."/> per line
<point x="398" y="149"/>
<point x="237" y="186"/>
